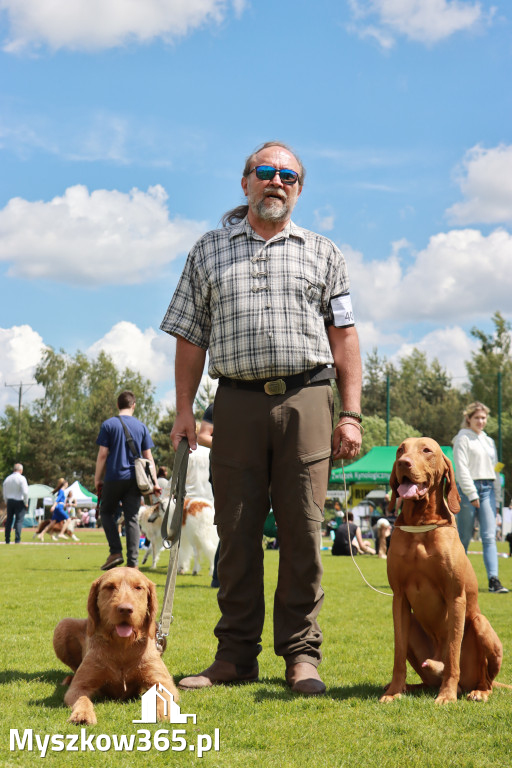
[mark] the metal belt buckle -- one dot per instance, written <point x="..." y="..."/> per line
<point x="276" y="387"/>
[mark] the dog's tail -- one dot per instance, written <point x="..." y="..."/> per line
<point x="495" y="684"/>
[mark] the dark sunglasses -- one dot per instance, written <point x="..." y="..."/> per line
<point x="267" y="172"/>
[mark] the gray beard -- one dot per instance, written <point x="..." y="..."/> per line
<point x="277" y="210"/>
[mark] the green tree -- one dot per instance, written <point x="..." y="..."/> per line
<point x="492" y="357"/>
<point x="375" y="432"/>
<point x="164" y="452"/>
<point x="421" y="393"/>
<point x="63" y="424"/>
<point x="374" y="392"/>
<point x="424" y="396"/>
<point x="9" y="436"/>
<point x="205" y="396"/>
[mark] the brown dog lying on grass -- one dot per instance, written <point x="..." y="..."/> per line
<point x="446" y="639"/>
<point x="113" y="652"/>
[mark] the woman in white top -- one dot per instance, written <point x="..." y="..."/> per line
<point x="475" y="458"/>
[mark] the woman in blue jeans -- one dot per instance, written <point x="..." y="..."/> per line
<point x="475" y="458"/>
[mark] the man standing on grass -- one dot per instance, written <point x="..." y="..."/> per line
<point x="15" y="490"/>
<point x="270" y="302"/>
<point x="115" y="479"/>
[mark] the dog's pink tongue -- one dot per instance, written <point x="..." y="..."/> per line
<point x="123" y="630"/>
<point x="407" y="489"/>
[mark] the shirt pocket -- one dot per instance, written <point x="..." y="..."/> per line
<point x="310" y="289"/>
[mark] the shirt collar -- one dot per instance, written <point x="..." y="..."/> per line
<point x="244" y="228"/>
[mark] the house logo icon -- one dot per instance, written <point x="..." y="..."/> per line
<point x="172" y="710"/>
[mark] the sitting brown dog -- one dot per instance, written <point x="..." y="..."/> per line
<point x="446" y="639"/>
<point x="113" y="652"/>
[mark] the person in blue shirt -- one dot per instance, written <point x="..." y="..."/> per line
<point x="115" y="479"/>
<point x="59" y="514"/>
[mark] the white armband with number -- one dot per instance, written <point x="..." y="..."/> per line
<point x="342" y="311"/>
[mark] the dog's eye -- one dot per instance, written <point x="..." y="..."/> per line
<point x="138" y="586"/>
<point x="427" y="450"/>
<point x="111" y="587"/>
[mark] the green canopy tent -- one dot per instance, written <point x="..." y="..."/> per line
<point x="375" y="467"/>
<point x="36" y="493"/>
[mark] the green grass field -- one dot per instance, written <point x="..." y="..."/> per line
<point x="262" y="724"/>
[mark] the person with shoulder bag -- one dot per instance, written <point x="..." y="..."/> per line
<point x="125" y="470"/>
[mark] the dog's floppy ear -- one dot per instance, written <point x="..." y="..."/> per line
<point x="152" y="609"/>
<point x="452" y="494"/>
<point x="393" y="484"/>
<point x="93" y="618"/>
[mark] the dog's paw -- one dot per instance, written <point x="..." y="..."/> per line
<point x="388" y="698"/>
<point x="446" y="698"/>
<point x="478" y="696"/>
<point x="83" y="712"/>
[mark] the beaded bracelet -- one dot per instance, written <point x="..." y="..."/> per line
<point x="354" y="424"/>
<point x="352" y="414"/>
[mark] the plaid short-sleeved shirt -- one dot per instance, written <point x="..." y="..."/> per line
<point x="260" y="307"/>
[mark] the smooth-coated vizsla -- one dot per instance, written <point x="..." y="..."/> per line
<point x="445" y="638"/>
<point x="112" y="652"/>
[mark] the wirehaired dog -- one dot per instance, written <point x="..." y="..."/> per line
<point x="113" y="652"/>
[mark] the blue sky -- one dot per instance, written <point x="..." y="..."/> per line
<point x="124" y="126"/>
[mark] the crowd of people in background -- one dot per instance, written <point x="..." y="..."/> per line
<point x="479" y="517"/>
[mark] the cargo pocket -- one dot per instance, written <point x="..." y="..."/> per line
<point x="317" y="467"/>
<point x="228" y="477"/>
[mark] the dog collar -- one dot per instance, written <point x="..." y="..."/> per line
<point x="419" y="528"/>
<point x="423" y="528"/>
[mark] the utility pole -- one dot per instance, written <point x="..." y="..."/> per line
<point x="20" y="387"/>
<point x="388" y="407"/>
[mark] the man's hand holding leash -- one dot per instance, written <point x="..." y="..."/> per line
<point x="184" y="427"/>
<point x="346" y="440"/>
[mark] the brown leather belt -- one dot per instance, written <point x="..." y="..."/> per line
<point x="319" y="375"/>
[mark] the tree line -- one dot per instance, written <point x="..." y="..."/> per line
<point x="58" y="430"/>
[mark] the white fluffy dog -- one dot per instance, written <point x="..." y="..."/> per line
<point x="198" y="533"/>
<point x="152" y="531"/>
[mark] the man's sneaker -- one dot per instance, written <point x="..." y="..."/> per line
<point x="495" y="585"/>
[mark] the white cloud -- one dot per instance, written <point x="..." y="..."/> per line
<point x="168" y="399"/>
<point x="425" y="21"/>
<point x="373" y="336"/>
<point x="324" y="219"/>
<point x="94" y="238"/>
<point x="99" y="24"/>
<point x="149" y="352"/>
<point x="485" y="179"/>
<point x="21" y="350"/>
<point x="461" y="276"/>
<point x="452" y="347"/>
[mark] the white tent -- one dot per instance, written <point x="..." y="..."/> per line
<point x="84" y="498"/>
